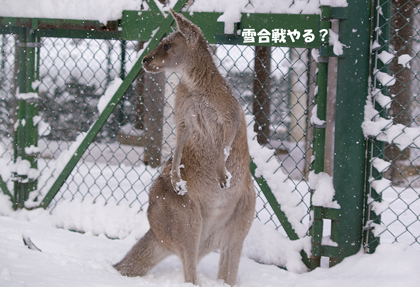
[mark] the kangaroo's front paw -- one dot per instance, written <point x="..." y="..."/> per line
<point x="179" y="185"/>
<point x="223" y="177"/>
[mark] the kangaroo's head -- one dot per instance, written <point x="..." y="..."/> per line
<point x="174" y="52"/>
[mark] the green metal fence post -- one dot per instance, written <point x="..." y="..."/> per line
<point x="17" y="139"/>
<point x="382" y="14"/>
<point x="350" y="146"/>
<point x="321" y="96"/>
<point x="26" y="135"/>
<point x="32" y="109"/>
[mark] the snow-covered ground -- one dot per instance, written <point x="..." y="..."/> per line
<point x="75" y="259"/>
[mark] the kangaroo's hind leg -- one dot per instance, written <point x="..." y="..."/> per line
<point x="180" y="232"/>
<point x="142" y="257"/>
<point x="233" y="238"/>
<point x="189" y="260"/>
<point x="176" y="221"/>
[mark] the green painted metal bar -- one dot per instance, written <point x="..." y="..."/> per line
<point x="48" y="23"/>
<point x="64" y="28"/>
<point x="63" y="33"/>
<point x="31" y="130"/>
<point x="21" y="181"/>
<point x="321" y="96"/>
<point x="350" y="145"/>
<point x="318" y="250"/>
<point x="3" y="187"/>
<point x="321" y="104"/>
<point x="80" y="34"/>
<point x="319" y="135"/>
<point x="131" y="76"/>
<point x="329" y="251"/>
<point x="120" y="113"/>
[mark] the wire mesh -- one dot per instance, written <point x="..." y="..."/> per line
<point x="398" y="188"/>
<point x="122" y="162"/>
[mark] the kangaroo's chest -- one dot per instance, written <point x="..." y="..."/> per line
<point x="203" y="119"/>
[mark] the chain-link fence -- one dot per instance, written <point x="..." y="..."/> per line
<point x="395" y="184"/>
<point x="272" y="84"/>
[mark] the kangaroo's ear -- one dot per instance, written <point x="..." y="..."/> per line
<point x="186" y="27"/>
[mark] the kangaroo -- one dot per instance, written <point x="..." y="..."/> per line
<point x="204" y="198"/>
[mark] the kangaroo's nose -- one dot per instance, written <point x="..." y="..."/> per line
<point x="146" y="60"/>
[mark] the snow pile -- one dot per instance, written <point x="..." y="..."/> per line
<point x="381" y="99"/>
<point x="4" y="160"/>
<point x="380" y="165"/>
<point x="181" y="187"/>
<point x="109" y="93"/>
<point x="22" y="167"/>
<point x="88" y="217"/>
<point x="404" y="60"/>
<point x="232" y="14"/>
<point x="263" y="6"/>
<point x="315" y="121"/>
<point x="385" y="79"/>
<point x="97" y="218"/>
<point x="385" y="130"/>
<point x="44" y="128"/>
<point x="232" y="9"/>
<point x="379" y="207"/>
<point x="282" y="251"/>
<point x="27" y="96"/>
<point x="380" y="184"/>
<point x="281" y="186"/>
<point x="324" y="192"/>
<point x="110" y="10"/>
<point x="386" y="57"/>
<point x="334" y="3"/>
<point x="263" y="244"/>
<point x="5" y="205"/>
<point x="335" y="42"/>
<point x="102" y="11"/>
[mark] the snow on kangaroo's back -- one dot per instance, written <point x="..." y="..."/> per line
<point x="204" y="198"/>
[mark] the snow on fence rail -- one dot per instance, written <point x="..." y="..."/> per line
<point x="109" y="10"/>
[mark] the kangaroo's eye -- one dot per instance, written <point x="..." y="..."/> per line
<point x="166" y="47"/>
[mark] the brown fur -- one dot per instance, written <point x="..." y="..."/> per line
<point x="211" y="155"/>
